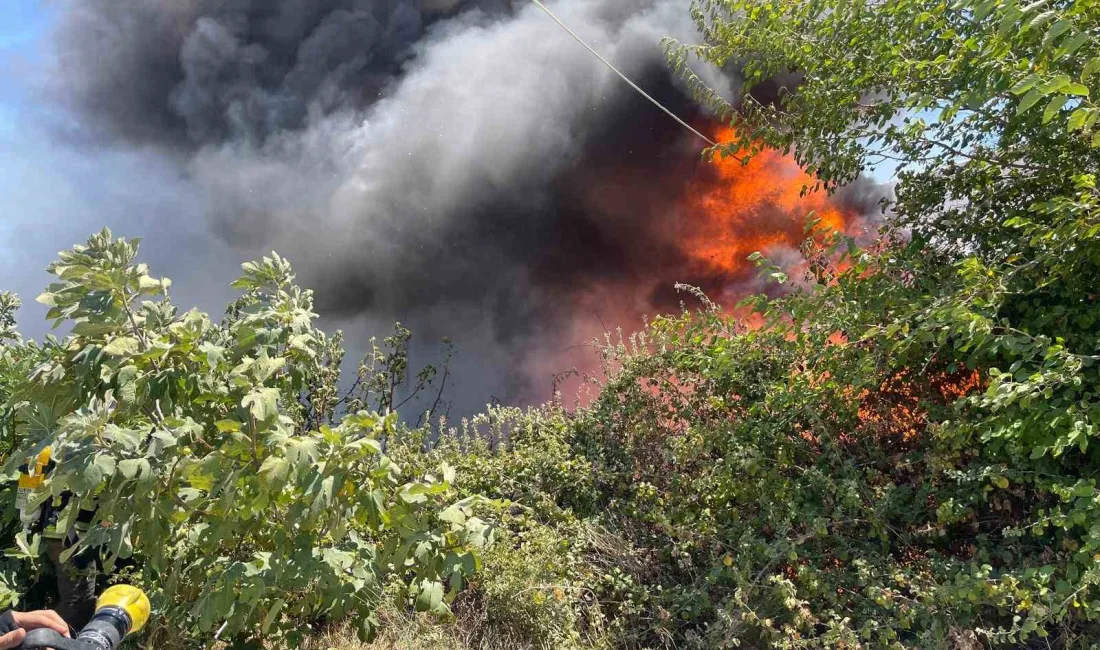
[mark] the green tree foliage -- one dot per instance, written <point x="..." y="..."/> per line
<point x="219" y="459"/>
<point x="905" y="453"/>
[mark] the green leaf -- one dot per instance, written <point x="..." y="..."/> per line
<point x="303" y="343"/>
<point x="301" y="450"/>
<point x="1077" y="89"/>
<point x="1026" y="84"/>
<point x="1093" y="114"/>
<point x="89" y="328"/>
<point x="413" y="493"/>
<point x="1054" y="84"/>
<point x="376" y="508"/>
<point x="262" y="403"/>
<point x="275" y="469"/>
<point x="366" y="629"/>
<point x="214" y="354"/>
<point x="200" y="481"/>
<point x="1084" y="489"/>
<point x="478" y="533"/>
<point x="148" y="285"/>
<point x="134" y="468"/>
<point x="1077" y="119"/>
<point x="1090" y="68"/>
<point x="272" y="614"/>
<point x="983" y="9"/>
<point x="1029" y="100"/>
<point x="1060" y="26"/>
<point x="106" y="463"/>
<point x="1071" y="45"/>
<point x="429" y="597"/>
<point x="122" y="346"/>
<point x="1008" y="22"/>
<point x="1054" y="107"/>
<point x="129" y="439"/>
<point x="228" y="426"/>
<point x="453" y="515"/>
<point x="1038" y="20"/>
<point x="368" y="445"/>
<point x="264" y="367"/>
<point x="28" y="545"/>
<point x="322" y="495"/>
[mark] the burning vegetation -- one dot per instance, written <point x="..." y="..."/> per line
<point x="905" y="456"/>
<point x="763" y="205"/>
<point x="636" y="232"/>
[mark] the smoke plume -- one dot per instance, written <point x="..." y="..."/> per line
<point x="460" y="165"/>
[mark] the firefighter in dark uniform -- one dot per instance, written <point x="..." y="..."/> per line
<point x="76" y="576"/>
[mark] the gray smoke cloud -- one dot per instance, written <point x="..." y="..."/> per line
<point x="446" y="177"/>
<point x="200" y="71"/>
<point x="444" y="163"/>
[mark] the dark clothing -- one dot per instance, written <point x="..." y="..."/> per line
<point x="76" y="577"/>
<point x="7" y="623"/>
<point x="75" y="586"/>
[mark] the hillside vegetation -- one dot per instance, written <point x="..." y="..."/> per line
<point x="903" y="454"/>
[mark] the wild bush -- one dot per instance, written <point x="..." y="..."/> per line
<point x="534" y="588"/>
<point x="190" y="438"/>
<point x="901" y="454"/>
<point x="919" y="419"/>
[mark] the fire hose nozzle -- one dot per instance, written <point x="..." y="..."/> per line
<point x="131" y="600"/>
<point x="120" y="610"/>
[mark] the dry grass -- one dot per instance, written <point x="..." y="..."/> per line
<point x="411" y="632"/>
<point x="391" y="639"/>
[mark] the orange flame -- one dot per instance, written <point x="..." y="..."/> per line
<point x="702" y="236"/>
<point x="743" y="208"/>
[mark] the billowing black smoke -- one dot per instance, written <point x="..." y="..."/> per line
<point x="462" y="166"/>
<point x="201" y="71"/>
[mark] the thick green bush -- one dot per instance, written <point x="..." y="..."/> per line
<point x="904" y="453"/>
<point x="217" y="459"/>
<point x="901" y="454"/>
<point x="535" y="585"/>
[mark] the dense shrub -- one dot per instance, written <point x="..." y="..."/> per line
<point x="250" y="502"/>
<point x="901" y="453"/>
<point x="535" y="588"/>
<point x="904" y="453"/>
